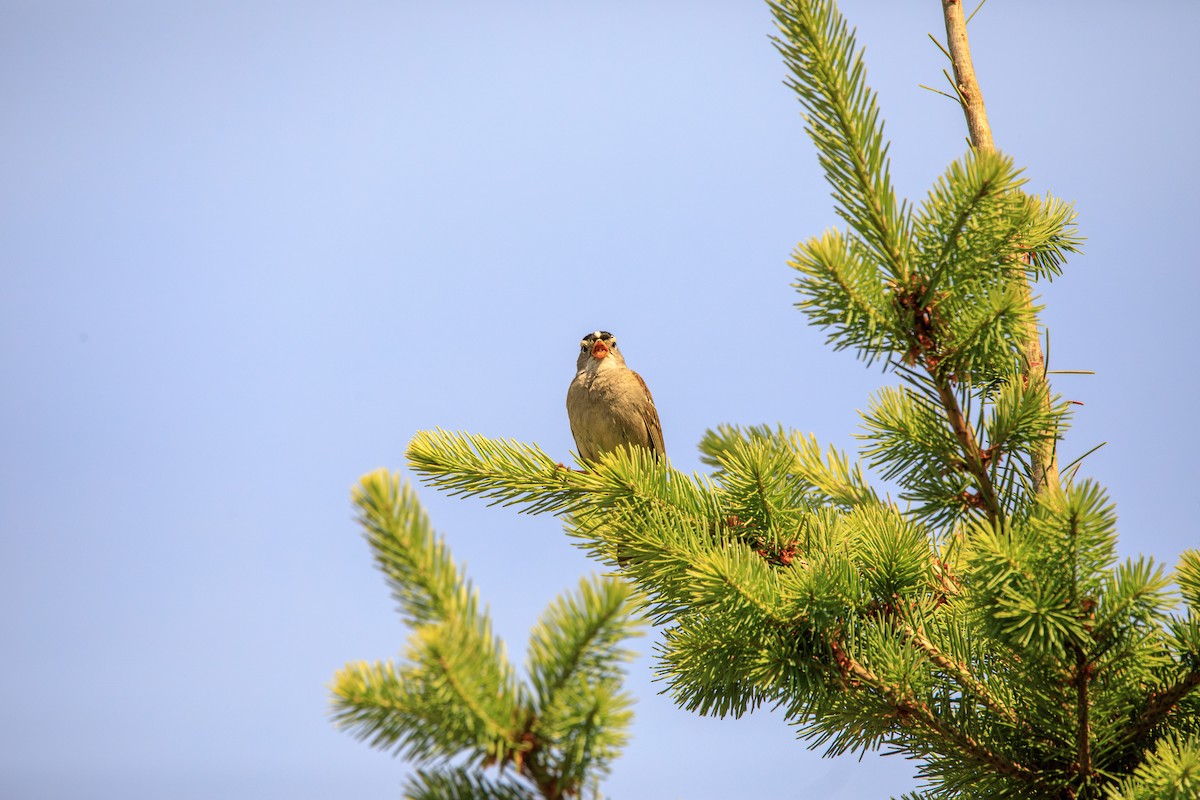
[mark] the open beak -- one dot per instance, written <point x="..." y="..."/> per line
<point x="599" y="350"/>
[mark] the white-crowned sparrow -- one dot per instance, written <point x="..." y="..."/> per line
<point x="608" y="403"/>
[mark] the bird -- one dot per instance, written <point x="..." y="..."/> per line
<point x="609" y="404"/>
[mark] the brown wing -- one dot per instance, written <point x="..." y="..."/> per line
<point x="651" y="421"/>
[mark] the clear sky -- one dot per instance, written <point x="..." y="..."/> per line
<point x="247" y="248"/>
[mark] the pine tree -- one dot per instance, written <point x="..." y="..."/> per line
<point x="981" y="622"/>
<point x="455" y="703"/>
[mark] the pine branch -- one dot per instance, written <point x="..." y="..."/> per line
<point x="455" y="697"/>
<point x="1135" y="592"/>
<point x="959" y="672"/>
<point x="1083" y="735"/>
<point x="970" y="191"/>
<point x="972" y="453"/>
<point x="1187" y="575"/>
<point x="1019" y="417"/>
<point x="492" y="707"/>
<point x="1044" y="457"/>
<point x="1159" y="706"/>
<point x="371" y="701"/>
<point x="461" y="784"/>
<point x="737" y="582"/>
<point x="843" y="293"/>
<point x="705" y="668"/>
<point x="579" y="636"/>
<point x="908" y="707"/>
<point x="516" y="474"/>
<point x="828" y="75"/>
<point x="509" y="472"/>
<point x="1047" y="235"/>
<point x="982" y="334"/>
<point x="1170" y="772"/>
<point x="415" y="560"/>
<point x="830" y="475"/>
<point x="826" y="477"/>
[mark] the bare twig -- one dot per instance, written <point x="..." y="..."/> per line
<point x="964" y="76"/>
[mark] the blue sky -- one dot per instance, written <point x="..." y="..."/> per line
<point x="248" y="248"/>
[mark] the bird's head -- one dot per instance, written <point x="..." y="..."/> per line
<point x="597" y="350"/>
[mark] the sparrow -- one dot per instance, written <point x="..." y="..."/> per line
<point x="608" y="404"/>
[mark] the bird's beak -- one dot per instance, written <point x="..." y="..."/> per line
<point x="599" y="350"/>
